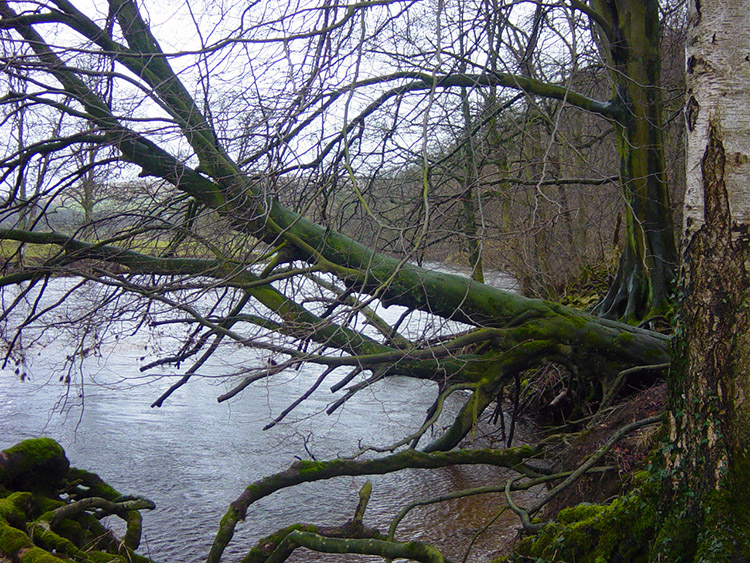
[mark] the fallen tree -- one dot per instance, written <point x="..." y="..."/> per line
<point x="512" y="334"/>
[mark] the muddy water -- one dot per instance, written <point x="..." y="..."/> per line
<point x="194" y="456"/>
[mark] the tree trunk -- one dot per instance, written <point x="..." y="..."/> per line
<point x="644" y="279"/>
<point x="710" y="378"/>
<point x="468" y="203"/>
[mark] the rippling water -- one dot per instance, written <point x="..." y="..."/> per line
<point x="193" y="456"/>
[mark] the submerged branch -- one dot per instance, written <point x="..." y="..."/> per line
<point x="416" y="551"/>
<point x="107" y="506"/>
<point x="308" y="471"/>
<point x="509" y="485"/>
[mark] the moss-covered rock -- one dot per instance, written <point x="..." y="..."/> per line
<point x="38" y="464"/>
<point x="33" y="477"/>
<point x="590" y="533"/>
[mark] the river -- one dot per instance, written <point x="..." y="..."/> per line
<point x="193" y="456"/>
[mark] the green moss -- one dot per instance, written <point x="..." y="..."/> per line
<point x="583" y="511"/>
<point x="305" y="466"/>
<point x="38" y="555"/>
<point x="260" y="552"/>
<point x="12" y="540"/>
<point x="11" y="508"/>
<point x="37" y="451"/>
<point x="76" y="533"/>
<point x="50" y="541"/>
<point x="626" y="337"/>
<point x="38" y="464"/>
<point x="134" y="529"/>
<point x="97" y="486"/>
<point x="589" y="533"/>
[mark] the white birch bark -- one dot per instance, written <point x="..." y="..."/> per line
<point x="709" y="382"/>
<point x="718" y="66"/>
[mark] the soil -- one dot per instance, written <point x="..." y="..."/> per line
<point x="627" y="456"/>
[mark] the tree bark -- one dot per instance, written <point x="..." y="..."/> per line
<point x="644" y="281"/>
<point x="710" y="379"/>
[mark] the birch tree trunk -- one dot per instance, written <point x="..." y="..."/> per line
<point x="710" y="379"/>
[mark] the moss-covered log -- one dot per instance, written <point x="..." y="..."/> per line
<point x="513" y="333"/>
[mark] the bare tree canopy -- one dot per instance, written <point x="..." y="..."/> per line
<point x="231" y="126"/>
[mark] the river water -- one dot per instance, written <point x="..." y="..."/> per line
<point x="193" y="456"/>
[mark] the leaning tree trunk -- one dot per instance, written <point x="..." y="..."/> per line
<point x="710" y="379"/>
<point x="645" y="275"/>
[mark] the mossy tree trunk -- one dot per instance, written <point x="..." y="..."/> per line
<point x="630" y="41"/>
<point x="710" y="384"/>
